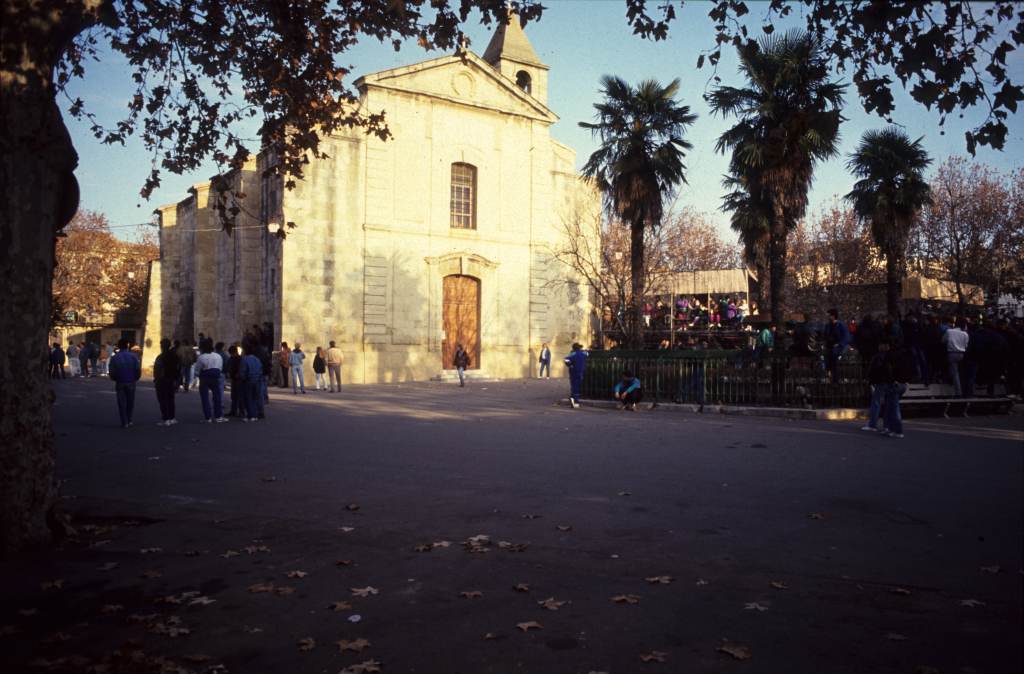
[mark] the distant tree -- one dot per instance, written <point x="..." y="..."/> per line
<point x="950" y="55"/>
<point x="692" y="243"/>
<point x="788" y="121"/>
<point x="972" y="232"/>
<point x="639" y="163"/>
<point x="889" y="194"/>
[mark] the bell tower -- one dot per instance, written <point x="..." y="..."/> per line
<point x="511" y="54"/>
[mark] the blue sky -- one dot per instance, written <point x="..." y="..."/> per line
<point x="580" y="40"/>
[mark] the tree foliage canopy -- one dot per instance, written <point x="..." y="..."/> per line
<point x="950" y="54"/>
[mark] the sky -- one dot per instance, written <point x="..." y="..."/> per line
<point x="581" y="40"/>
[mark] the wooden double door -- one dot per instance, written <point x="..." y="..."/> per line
<point x="461" y="319"/>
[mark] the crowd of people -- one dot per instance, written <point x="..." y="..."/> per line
<point x="682" y="313"/>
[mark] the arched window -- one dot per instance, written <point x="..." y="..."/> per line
<point x="463" y="204"/>
<point x="523" y="80"/>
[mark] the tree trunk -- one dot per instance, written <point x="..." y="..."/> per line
<point x="777" y="266"/>
<point x="636" y="270"/>
<point x="41" y="195"/>
<point x="893" y="284"/>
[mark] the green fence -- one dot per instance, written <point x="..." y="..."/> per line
<point x="729" y="378"/>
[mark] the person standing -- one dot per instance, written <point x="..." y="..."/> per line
<point x="545" y="361"/>
<point x="94" y="357"/>
<point x="576" y="361"/>
<point x="956" y="341"/>
<point x="208" y="368"/>
<point x="186" y="359"/>
<point x="125" y="370"/>
<point x="335" y="358"/>
<point x="254" y="382"/>
<point x="166" y="372"/>
<point x="461" y="362"/>
<point x="837" y="339"/>
<point x="234" y="375"/>
<point x="83" y="359"/>
<point x="283" y="359"/>
<point x="57" y="362"/>
<point x="295" y="359"/>
<point x="320" y="368"/>
<point x="901" y="371"/>
<point x="72" y="354"/>
<point x="879" y="377"/>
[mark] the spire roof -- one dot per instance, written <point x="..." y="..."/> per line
<point x="510" y="42"/>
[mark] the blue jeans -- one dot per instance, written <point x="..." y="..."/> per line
<point x="545" y="366"/>
<point x="893" y="418"/>
<point x="575" y="383"/>
<point x="878" y="393"/>
<point x="297" y="380"/>
<point x="462" y="375"/>
<point x="252" y="397"/>
<point x="125" y="401"/>
<point x="210" y="384"/>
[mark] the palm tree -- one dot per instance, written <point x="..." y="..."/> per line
<point x="749" y="220"/>
<point x="639" y="163"/>
<point x="889" y="194"/>
<point x="788" y="120"/>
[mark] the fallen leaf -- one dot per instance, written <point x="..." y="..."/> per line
<point x="893" y="636"/>
<point x="229" y="554"/>
<point x="659" y="580"/>
<point x="991" y="569"/>
<point x="972" y="603"/>
<point x="197" y="659"/>
<point x="816" y="516"/>
<point x="352" y="507"/>
<point x="340" y="606"/>
<point x="151" y="573"/>
<point x="441" y="544"/>
<point x="356" y="646"/>
<point x="366" y="667"/>
<point x="52" y="584"/>
<point x="471" y="594"/>
<point x="531" y="625"/>
<point x="900" y="590"/>
<point x="201" y="601"/>
<point x="701" y="582"/>
<point x="253" y="549"/>
<point x="269" y="478"/>
<point x="779" y="585"/>
<point x="109" y="566"/>
<point x="564" y="527"/>
<point x="490" y="635"/>
<point x="193" y="553"/>
<point x="529" y="516"/>
<point x="735" y="650"/>
<point x="171" y="627"/>
<point x="551" y="604"/>
<point x="423" y="547"/>
<point x="754" y="606"/>
<point x="150" y="551"/>
<point x="297" y="574"/>
<point x="346" y="530"/>
<point x="107" y="609"/>
<point x="654" y="656"/>
<point x="284" y="590"/>
<point x="252" y="630"/>
<point x="364" y="591"/>
<point x="57" y="638"/>
<point x="626" y="599"/>
<point x="625" y="493"/>
<point x="354" y="618"/>
<point x="261" y="587"/>
<point x="307" y="644"/>
<point x="521" y="587"/>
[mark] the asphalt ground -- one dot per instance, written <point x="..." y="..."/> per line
<point x="773" y="545"/>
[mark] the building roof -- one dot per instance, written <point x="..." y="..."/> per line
<point x="510" y="42"/>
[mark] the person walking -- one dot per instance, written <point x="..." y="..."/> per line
<point x="461" y="361"/>
<point x="879" y="377"/>
<point x="335" y="358"/>
<point x="320" y="368"/>
<point x="576" y="361"/>
<point x="283" y="360"/>
<point x="295" y="359"/>
<point x="234" y="375"/>
<point x="254" y="383"/>
<point x="57" y="359"/>
<point x="125" y="370"/>
<point x="166" y="372"/>
<point x="545" y="361"/>
<point x="901" y="371"/>
<point x="956" y="341"/>
<point x="208" y="368"/>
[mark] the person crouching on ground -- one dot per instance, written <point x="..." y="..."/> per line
<point x="208" y="368"/>
<point x="576" y="361"/>
<point x="628" y="391"/>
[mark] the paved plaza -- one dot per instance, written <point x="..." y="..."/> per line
<point x="488" y="529"/>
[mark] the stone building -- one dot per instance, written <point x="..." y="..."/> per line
<point x="402" y="248"/>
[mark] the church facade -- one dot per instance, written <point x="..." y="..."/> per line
<point x="401" y="249"/>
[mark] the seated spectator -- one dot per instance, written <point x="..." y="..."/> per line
<point x="628" y="391"/>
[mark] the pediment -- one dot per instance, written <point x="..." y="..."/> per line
<point x="463" y="78"/>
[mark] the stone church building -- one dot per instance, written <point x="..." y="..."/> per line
<point x="402" y="248"/>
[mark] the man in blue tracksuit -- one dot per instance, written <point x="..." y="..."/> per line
<point x="576" y="361"/>
<point x="628" y="391"/>
<point x="124" y="368"/>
